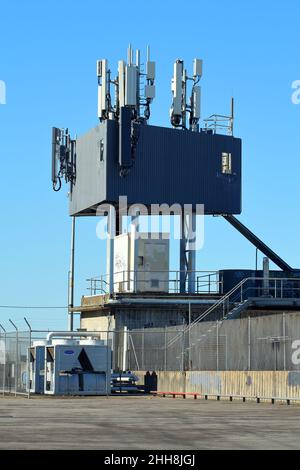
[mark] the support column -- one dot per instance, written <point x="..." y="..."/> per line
<point x="125" y="346"/>
<point x="135" y="228"/>
<point x="266" y="275"/>
<point x="191" y="255"/>
<point x="182" y="255"/>
<point x="188" y="253"/>
<point x="119" y="223"/>
<point x="111" y="231"/>
<point x="71" y="278"/>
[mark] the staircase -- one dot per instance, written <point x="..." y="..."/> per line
<point x="234" y="303"/>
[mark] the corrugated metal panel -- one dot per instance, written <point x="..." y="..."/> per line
<point x="180" y="167"/>
<point x="171" y="381"/>
<point x="170" y="167"/>
<point x="262" y="384"/>
<point x="202" y="382"/>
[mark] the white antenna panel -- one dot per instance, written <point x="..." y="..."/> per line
<point x="99" y="101"/>
<point x="99" y="68"/>
<point x="137" y="58"/>
<point x="130" y="85"/>
<point x="177" y="83"/>
<point x="196" y="102"/>
<point x="150" y="70"/>
<point x="177" y="109"/>
<point x="197" y="68"/>
<point x="150" y="91"/>
<point x="177" y="88"/>
<point x="121" y="74"/>
<point x="104" y="89"/>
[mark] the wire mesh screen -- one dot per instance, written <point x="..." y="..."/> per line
<point x="259" y="343"/>
<point x="270" y="342"/>
<point x="13" y="361"/>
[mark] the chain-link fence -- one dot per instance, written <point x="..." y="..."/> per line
<point x="255" y="343"/>
<point x="249" y="344"/>
<point x="13" y="361"/>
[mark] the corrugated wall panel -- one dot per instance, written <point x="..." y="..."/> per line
<point x="170" y="166"/>
<point x="263" y="384"/>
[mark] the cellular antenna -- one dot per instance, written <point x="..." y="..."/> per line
<point x="131" y="91"/>
<point x="179" y="86"/>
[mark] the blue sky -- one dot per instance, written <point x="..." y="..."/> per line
<point x="48" y="52"/>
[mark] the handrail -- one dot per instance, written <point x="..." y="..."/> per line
<point x="205" y="281"/>
<point x="226" y="298"/>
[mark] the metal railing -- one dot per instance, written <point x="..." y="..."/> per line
<point x="277" y="288"/>
<point x="219" y="122"/>
<point x="206" y="282"/>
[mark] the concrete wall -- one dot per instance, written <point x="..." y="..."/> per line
<point x="96" y="322"/>
<point x="246" y="384"/>
<point x="142" y="316"/>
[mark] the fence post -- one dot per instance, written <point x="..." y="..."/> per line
<point x="189" y="355"/>
<point x="125" y="345"/>
<point x="17" y="358"/>
<point x="182" y="350"/>
<point x="249" y="343"/>
<point x="217" y="346"/>
<point x="165" y="358"/>
<point x="4" y="358"/>
<point x="108" y="363"/>
<point x="284" y="339"/>
<point x="28" y="359"/>
<point x="143" y="349"/>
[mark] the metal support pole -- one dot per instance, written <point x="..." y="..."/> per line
<point x="135" y="229"/>
<point x="111" y="231"/>
<point x="191" y="254"/>
<point x="183" y="261"/>
<point x="17" y="358"/>
<point x="182" y="351"/>
<point x="188" y="252"/>
<point x="284" y="340"/>
<point x="232" y="117"/>
<point x="249" y="343"/>
<point x="266" y="276"/>
<point x="71" y="279"/>
<point x="28" y="358"/>
<point x="165" y="358"/>
<point x="217" y="346"/>
<point x="108" y="364"/>
<point x="4" y="358"/>
<point x="125" y="342"/>
<point x="143" y="349"/>
<point x="190" y="320"/>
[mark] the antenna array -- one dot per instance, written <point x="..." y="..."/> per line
<point x="133" y="87"/>
<point x="180" y="108"/>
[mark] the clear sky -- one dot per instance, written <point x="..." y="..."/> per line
<point x="48" y="52"/>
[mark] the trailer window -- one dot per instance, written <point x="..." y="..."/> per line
<point x="226" y="163"/>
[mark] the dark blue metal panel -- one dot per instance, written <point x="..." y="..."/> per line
<point x="231" y="277"/>
<point x="167" y="166"/>
<point x="173" y="166"/>
<point x="124" y="138"/>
